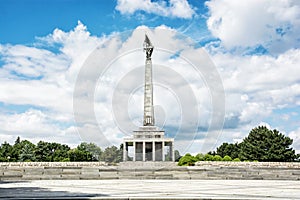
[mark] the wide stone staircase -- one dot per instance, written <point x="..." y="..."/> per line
<point x="149" y="170"/>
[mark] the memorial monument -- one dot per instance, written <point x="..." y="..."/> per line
<point x="148" y="142"/>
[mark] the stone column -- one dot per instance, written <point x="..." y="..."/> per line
<point x="153" y="151"/>
<point x="163" y="150"/>
<point x="124" y="152"/>
<point x="173" y="151"/>
<point x="144" y="152"/>
<point x="133" y="159"/>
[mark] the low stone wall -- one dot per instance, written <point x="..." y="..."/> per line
<point x="250" y="164"/>
<point x="149" y="170"/>
<point x="248" y="170"/>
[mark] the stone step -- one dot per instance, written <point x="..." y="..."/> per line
<point x="152" y="170"/>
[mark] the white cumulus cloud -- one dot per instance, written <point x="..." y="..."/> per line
<point x="295" y="135"/>
<point x="273" y="24"/>
<point x="37" y="84"/>
<point x="36" y="125"/>
<point x="170" y="8"/>
<point x="256" y="86"/>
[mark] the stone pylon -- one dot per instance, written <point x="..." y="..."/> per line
<point x="148" y="89"/>
<point x="148" y="142"/>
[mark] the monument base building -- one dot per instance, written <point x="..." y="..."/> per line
<point x="149" y="144"/>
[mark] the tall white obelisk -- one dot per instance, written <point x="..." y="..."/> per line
<point x="148" y="89"/>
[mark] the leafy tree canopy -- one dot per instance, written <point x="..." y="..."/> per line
<point x="231" y="150"/>
<point x="263" y="144"/>
<point x="93" y="151"/>
<point x="112" y="155"/>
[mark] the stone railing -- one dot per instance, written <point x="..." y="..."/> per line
<point x="52" y="164"/>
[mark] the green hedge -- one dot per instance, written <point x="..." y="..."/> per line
<point x="189" y="160"/>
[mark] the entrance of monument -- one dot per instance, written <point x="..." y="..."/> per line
<point x="158" y="151"/>
<point x="139" y="151"/>
<point x="149" y="151"/>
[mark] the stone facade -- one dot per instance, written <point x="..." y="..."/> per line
<point x="149" y="144"/>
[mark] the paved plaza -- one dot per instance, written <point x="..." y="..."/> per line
<point x="150" y="189"/>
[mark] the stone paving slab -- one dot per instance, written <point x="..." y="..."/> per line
<point x="150" y="189"/>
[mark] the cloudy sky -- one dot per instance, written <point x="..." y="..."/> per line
<point x="72" y="71"/>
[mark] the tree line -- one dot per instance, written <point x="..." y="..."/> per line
<point x="25" y="151"/>
<point x="261" y="144"/>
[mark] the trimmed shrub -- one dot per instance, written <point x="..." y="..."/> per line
<point x="236" y="160"/>
<point x="217" y="158"/>
<point x="200" y="157"/>
<point x="187" y="160"/>
<point x="208" y="157"/>
<point x="227" y="158"/>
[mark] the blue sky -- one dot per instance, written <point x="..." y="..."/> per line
<point x="31" y="18"/>
<point x="24" y="20"/>
<point x="45" y="45"/>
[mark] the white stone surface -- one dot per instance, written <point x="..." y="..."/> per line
<point x="151" y="189"/>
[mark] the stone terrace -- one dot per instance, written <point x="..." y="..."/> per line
<point x="149" y="170"/>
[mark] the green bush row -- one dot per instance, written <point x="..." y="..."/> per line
<point x="189" y="160"/>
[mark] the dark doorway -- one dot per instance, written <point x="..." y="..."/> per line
<point x="148" y="151"/>
<point x="158" y="151"/>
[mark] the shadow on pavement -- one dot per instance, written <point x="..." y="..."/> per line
<point x="40" y="193"/>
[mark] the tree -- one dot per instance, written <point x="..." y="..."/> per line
<point x="5" y="152"/>
<point x="20" y="147"/>
<point x="177" y="155"/>
<point x="121" y="149"/>
<point x="15" y="151"/>
<point x="59" y="152"/>
<point x="18" y="140"/>
<point x="112" y="155"/>
<point x="43" y="152"/>
<point x="231" y="150"/>
<point x="83" y="152"/>
<point x="92" y="149"/>
<point x="48" y="152"/>
<point x="263" y="144"/>
<point x="27" y="152"/>
<point x="213" y="153"/>
<point x="78" y="155"/>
